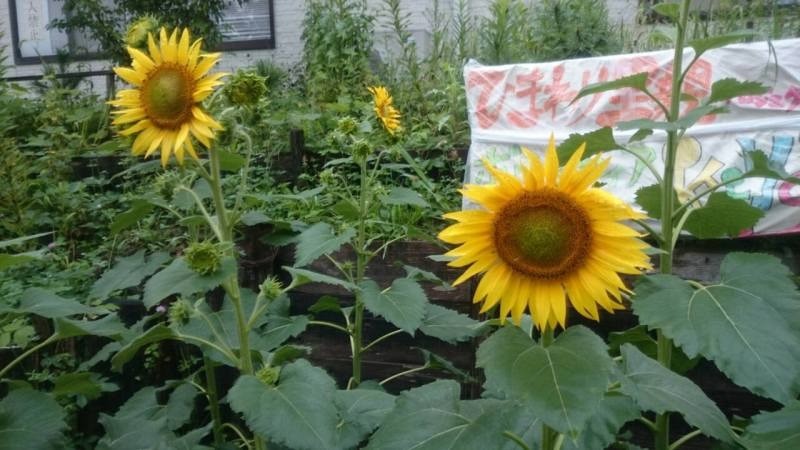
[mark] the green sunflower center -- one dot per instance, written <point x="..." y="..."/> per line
<point x="543" y="234"/>
<point x="167" y="97"/>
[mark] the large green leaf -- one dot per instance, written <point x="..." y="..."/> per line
<point x="108" y="326"/>
<point x="728" y="88"/>
<point x="128" y="272"/>
<point x="596" y="141"/>
<point x="142" y="422"/>
<point x="636" y="81"/>
<point x="302" y="276"/>
<point x="404" y="196"/>
<point x="448" y="325"/>
<point x="777" y="430"/>
<point x="47" y="304"/>
<point x="602" y="428"/>
<point x="88" y="384"/>
<point x="432" y="417"/>
<point x="703" y="45"/>
<point x="139" y="208"/>
<point x="658" y="389"/>
<point x="361" y="411"/>
<point x="563" y="384"/>
<point x="30" y="419"/>
<point x="739" y="323"/>
<point x="156" y="333"/>
<point x="299" y="412"/>
<point x="178" y="278"/>
<point x="402" y="304"/>
<point x="722" y="216"/>
<point x="317" y="240"/>
<point x="762" y="167"/>
<point x="424" y="418"/>
<point x="649" y="198"/>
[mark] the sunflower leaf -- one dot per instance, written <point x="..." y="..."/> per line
<point x="30" y="419"/>
<point x="448" y="325"/>
<point x="432" y="417"/>
<point x="402" y="304"/>
<point x="658" y="389"/>
<point x="128" y="272"/>
<point x="649" y="198"/>
<point x="362" y="411"/>
<point x="728" y="88"/>
<point x="615" y="410"/>
<point x="721" y="216"/>
<point x="318" y="240"/>
<point x="179" y="278"/>
<point x="597" y="141"/>
<point x="299" y="412"/>
<point x="573" y="374"/>
<point x="775" y="430"/>
<point x="636" y="81"/>
<point x="746" y="323"/>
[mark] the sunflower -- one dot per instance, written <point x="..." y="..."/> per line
<point x="386" y="112"/>
<point x="546" y="239"/>
<point x="164" y="106"/>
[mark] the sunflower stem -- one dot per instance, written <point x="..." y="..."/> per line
<point x="549" y="435"/>
<point x="231" y="285"/>
<point x="664" y="344"/>
<point x="213" y="401"/>
<point x="357" y="337"/>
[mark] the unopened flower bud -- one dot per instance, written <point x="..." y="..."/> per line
<point x="361" y="149"/>
<point x="204" y="257"/>
<point x="347" y="126"/>
<point x="270" y="289"/>
<point x="136" y="36"/>
<point x="179" y="312"/>
<point x="269" y="375"/>
<point x="245" y="88"/>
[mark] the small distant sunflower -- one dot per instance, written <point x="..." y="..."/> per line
<point x="386" y="112"/>
<point x="545" y="240"/>
<point x="164" y="106"/>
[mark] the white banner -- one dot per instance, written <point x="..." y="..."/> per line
<point x="522" y="104"/>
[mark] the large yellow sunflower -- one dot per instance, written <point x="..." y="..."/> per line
<point x="386" y="112"/>
<point x="545" y="240"/>
<point x="164" y="105"/>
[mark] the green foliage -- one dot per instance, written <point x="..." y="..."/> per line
<point x="656" y="388"/>
<point x="337" y="41"/>
<point x="775" y="430"/>
<point x="572" y="29"/>
<point x="143" y="422"/>
<point x="448" y="325"/>
<point x="178" y="278"/>
<point x="744" y="323"/>
<point x="721" y="216"/>
<point x="299" y="412"/>
<point x="402" y="303"/>
<point x="507" y="34"/>
<point x="575" y="367"/>
<point x="106" y="23"/>
<point x="319" y="240"/>
<point x="30" y="419"/>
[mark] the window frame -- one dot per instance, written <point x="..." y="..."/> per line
<point x="19" y="60"/>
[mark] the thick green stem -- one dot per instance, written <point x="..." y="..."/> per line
<point x="549" y="435"/>
<point x="231" y="285"/>
<point x="213" y="402"/>
<point x="357" y="339"/>
<point x="664" y="346"/>
<point x="30" y="351"/>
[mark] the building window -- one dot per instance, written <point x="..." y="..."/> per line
<point x="244" y="27"/>
<point x="248" y="26"/>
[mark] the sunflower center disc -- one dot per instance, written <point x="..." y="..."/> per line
<point x="542" y="234"/>
<point x="168" y="97"/>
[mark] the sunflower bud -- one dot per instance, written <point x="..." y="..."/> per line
<point x="270" y="289"/>
<point x="136" y="36"/>
<point x="347" y="126"/>
<point x="361" y="149"/>
<point x="179" y="312"/>
<point x="204" y="258"/>
<point x="245" y="88"/>
<point x="269" y="375"/>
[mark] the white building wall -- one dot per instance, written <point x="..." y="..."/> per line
<point x="288" y="22"/>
